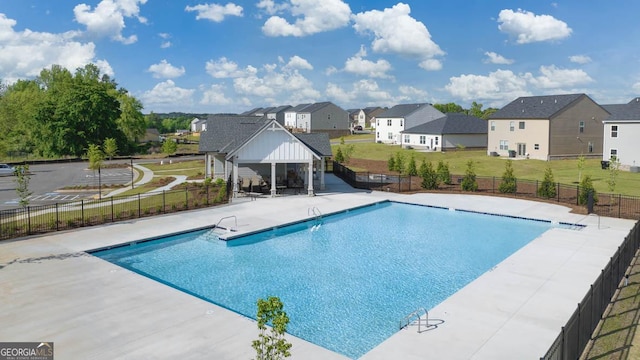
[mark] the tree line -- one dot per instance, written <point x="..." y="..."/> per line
<point x="60" y="113"/>
<point x="475" y="110"/>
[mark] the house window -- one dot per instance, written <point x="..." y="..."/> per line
<point x="400" y="122"/>
<point x="504" y="145"/>
<point x="521" y="125"/>
<point x="614" y="131"/>
<point x="436" y="141"/>
<point x="613" y="154"/>
<point x="536" y="146"/>
<point x="512" y="126"/>
<point x="407" y="138"/>
<point x="377" y="135"/>
<point x="423" y="139"/>
<point x="390" y="136"/>
<point x="377" y="122"/>
<point x="590" y="147"/>
<point x="581" y="127"/>
<point x="388" y="122"/>
<point x="493" y="126"/>
<point x="328" y="116"/>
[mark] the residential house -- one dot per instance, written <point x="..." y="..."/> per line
<point x="547" y="127"/>
<point x="262" y="151"/>
<point x="277" y="113"/>
<point x="390" y="123"/>
<point x="198" y="125"/>
<point x="253" y="112"/>
<point x="357" y="117"/>
<point x="621" y="134"/>
<point x="449" y="132"/>
<point x="370" y="115"/>
<point x="323" y="117"/>
<point x="291" y="114"/>
<point x="151" y="135"/>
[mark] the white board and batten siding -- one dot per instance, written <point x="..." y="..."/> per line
<point x="274" y="146"/>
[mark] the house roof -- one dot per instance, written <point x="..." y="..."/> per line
<point x="403" y="110"/>
<point x="314" y="107"/>
<point x="451" y="123"/>
<point x="297" y="108"/>
<point x="278" y="109"/>
<point x="317" y="142"/>
<point x="251" y="112"/>
<point x="227" y="133"/>
<point x="619" y="112"/>
<point x="535" y="107"/>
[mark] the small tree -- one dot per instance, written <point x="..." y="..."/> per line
<point x="429" y="176"/>
<point x="469" y="182"/>
<point x="443" y="173"/>
<point x="581" y="163"/>
<point x="348" y="151"/>
<point x="411" y="167"/>
<point x="110" y="147"/>
<point x="614" y="169"/>
<point x="400" y="162"/>
<point x="391" y="163"/>
<point x="96" y="157"/>
<point x="271" y="345"/>
<point x="508" y="184"/>
<point x="586" y="186"/>
<point x="169" y="147"/>
<point x="22" y="184"/>
<point x="339" y="156"/>
<point x="547" y="187"/>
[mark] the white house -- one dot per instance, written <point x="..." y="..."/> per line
<point x="447" y="133"/>
<point x="622" y="134"/>
<point x="291" y="115"/>
<point x="392" y="122"/>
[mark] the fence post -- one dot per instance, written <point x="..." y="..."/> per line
<point x="207" y="187"/>
<point x="558" y="190"/>
<point x="112" y="209"/>
<point x="493" y="185"/>
<point x="186" y="197"/>
<point x="577" y="194"/>
<point x="82" y="211"/>
<point x="28" y="220"/>
<point x="139" y="207"/>
<point x="619" y="203"/>
<point x="536" y="193"/>
<point x="57" y="218"/>
<point x="164" y="203"/>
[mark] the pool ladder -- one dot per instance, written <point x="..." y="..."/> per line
<point x="235" y="228"/>
<point x="315" y="212"/>
<point x="416" y="317"/>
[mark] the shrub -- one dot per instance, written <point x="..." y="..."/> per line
<point x="391" y="163"/>
<point x="508" y="184"/>
<point x="429" y="176"/>
<point x="547" y="187"/>
<point x="271" y="345"/>
<point x="411" y="167"/>
<point x="469" y="182"/>
<point x="339" y="156"/>
<point x="443" y="173"/>
<point x="586" y="186"/>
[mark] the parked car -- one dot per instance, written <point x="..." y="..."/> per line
<point x="6" y="170"/>
<point x="357" y="128"/>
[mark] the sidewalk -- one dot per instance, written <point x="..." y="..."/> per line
<point x="147" y="176"/>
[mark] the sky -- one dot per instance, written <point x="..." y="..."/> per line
<point x="229" y="57"/>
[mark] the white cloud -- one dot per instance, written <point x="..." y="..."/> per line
<point x="360" y="66"/>
<point x="214" y="95"/>
<point x="311" y="17"/>
<point x="494" y="58"/>
<point x="502" y="86"/>
<point x="224" y="68"/>
<point x="215" y="12"/>
<point x="367" y="92"/>
<point x="636" y="87"/>
<point x="166" y="70"/>
<point x="412" y="93"/>
<point x="580" y="59"/>
<point x="270" y="7"/>
<point x="24" y="54"/>
<point x="528" y="27"/>
<point x="166" y="95"/>
<point x="554" y="78"/>
<point x="165" y="44"/>
<point x="107" y="18"/>
<point x="296" y="62"/>
<point x="395" y="31"/>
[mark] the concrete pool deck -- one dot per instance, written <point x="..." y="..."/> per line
<point x="51" y="290"/>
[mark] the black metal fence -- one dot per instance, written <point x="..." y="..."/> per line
<point x="611" y="205"/>
<point x="62" y="216"/>
<point x="575" y="335"/>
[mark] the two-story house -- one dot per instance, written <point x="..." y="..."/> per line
<point x="547" y="127"/>
<point x="450" y="132"/>
<point x="323" y="117"/>
<point x="390" y="123"/>
<point x="621" y="134"/>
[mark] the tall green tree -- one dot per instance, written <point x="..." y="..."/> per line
<point x="429" y="176"/>
<point x="169" y="147"/>
<point x="614" y="170"/>
<point x="581" y="163"/>
<point x="110" y="147"/>
<point x="508" y="184"/>
<point x="469" y="182"/>
<point x="411" y="166"/>
<point x="586" y="187"/>
<point x="271" y="345"/>
<point x="23" y="177"/>
<point x="443" y="172"/>
<point x="131" y="122"/>
<point x="449" y="108"/>
<point x="547" y="187"/>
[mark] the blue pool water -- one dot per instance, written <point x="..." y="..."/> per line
<point x="347" y="284"/>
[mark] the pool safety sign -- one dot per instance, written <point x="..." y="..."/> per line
<point x="26" y="351"/>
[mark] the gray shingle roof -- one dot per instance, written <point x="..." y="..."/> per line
<point x="629" y="111"/>
<point x="403" y="110"/>
<point x="225" y="133"/>
<point x="451" y="123"/>
<point x="314" y="107"/>
<point x="535" y="107"/>
<point x="228" y="132"/>
<point x="317" y="142"/>
<point x="297" y="108"/>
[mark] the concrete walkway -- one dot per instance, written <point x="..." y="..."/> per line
<point x="147" y="176"/>
<point x="52" y="290"/>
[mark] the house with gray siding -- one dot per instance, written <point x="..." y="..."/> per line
<point x="261" y="152"/>
<point x="391" y="123"/>
<point x="277" y="113"/>
<point x="547" y="127"/>
<point x="622" y="134"/>
<point x="449" y="132"/>
<point x="323" y="117"/>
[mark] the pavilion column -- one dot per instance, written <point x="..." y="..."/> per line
<point x="235" y="177"/>
<point x="207" y="165"/>
<point x="310" y="177"/>
<point x="322" y="168"/>
<point x="273" y="179"/>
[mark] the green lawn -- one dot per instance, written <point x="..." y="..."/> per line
<point x="564" y="171"/>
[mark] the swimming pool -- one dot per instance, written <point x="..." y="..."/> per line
<point x="346" y="284"/>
